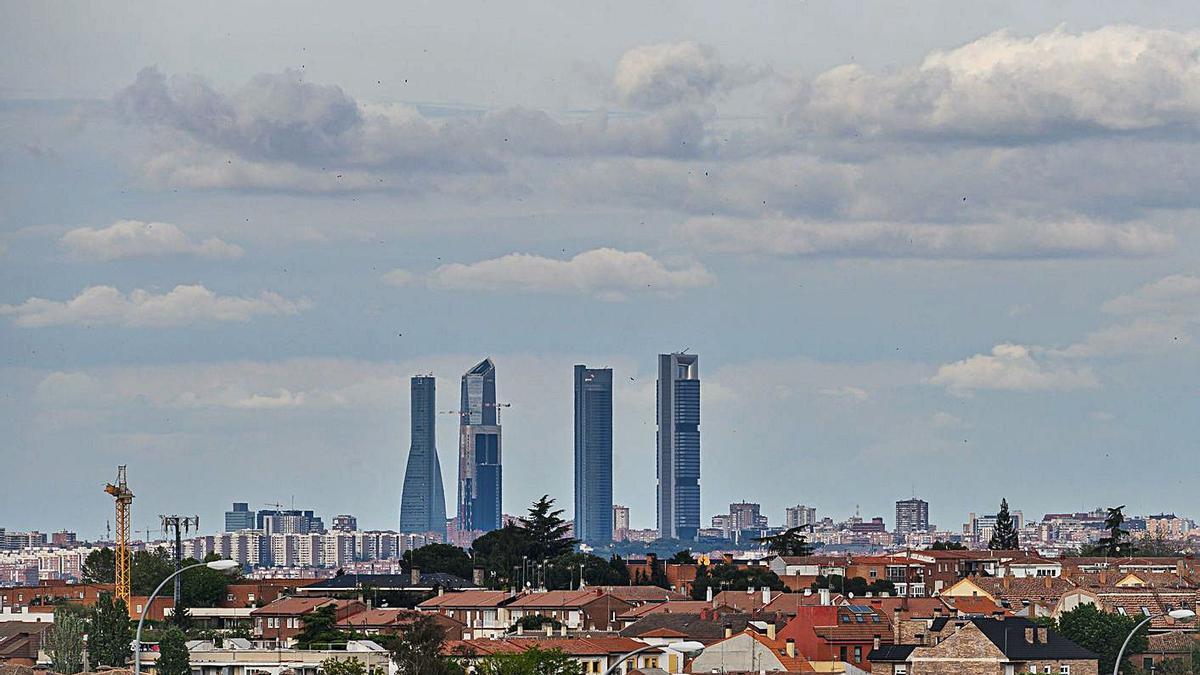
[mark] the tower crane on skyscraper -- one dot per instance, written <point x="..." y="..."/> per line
<point x="461" y="413"/>
<point x="123" y="497"/>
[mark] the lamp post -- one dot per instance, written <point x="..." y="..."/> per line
<point x="687" y="648"/>
<point x="219" y="565"/>
<point x="1177" y="614"/>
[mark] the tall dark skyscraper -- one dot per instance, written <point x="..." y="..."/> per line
<point x="423" y="502"/>
<point x="593" y="455"/>
<point x="479" y="475"/>
<point x="678" y="457"/>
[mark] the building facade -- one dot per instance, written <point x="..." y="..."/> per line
<point x="678" y="456"/>
<point x="912" y="515"/>
<point x="479" y="452"/>
<point x="593" y="455"/>
<point x="800" y="516"/>
<point x="423" y="502"/>
<point x="240" y="518"/>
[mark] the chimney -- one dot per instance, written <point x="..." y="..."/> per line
<point x="520" y="628"/>
<point x="824" y="593"/>
<point x="1029" y="635"/>
<point x="770" y="630"/>
<point x="1103" y="577"/>
<point x="766" y="595"/>
<point x="708" y="595"/>
<point x="549" y="630"/>
<point x="875" y="642"/>
<point x="1006" y="582"/>
<point x="808" y="591"/>
<point x="1048" y="582"/>
<point x="562" y="630"/>
<point x="1043" y="635"/>
<point x="791" y="648"/>
<point x="477" y="576"/>
<point x="750" y="591"/>
<point x="728" y="631"/>
<point x="896" y="626"/>
<point x="415" y="575"/>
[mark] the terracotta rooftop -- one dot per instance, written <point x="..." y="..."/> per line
<point x="468" y="599"/>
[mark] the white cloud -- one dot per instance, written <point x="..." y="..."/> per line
<point x="1174" y="294"/>
<point x="662" y="74"/>
<point x="606" y="273"/>
<point x="100" y="305"/>
<point x="1011" y="367"/>
<point x="845" y="392"/>
<point x="1004" y="88"/>
<point x="1141" y="336"/>
<point x="788" y="237"/>
<point x="135" y="238"/>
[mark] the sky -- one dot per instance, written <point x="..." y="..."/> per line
<point x="939" y="249"/>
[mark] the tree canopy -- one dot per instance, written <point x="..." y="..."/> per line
<point x="173" y="656"/>
<point x="100" y="567"/>
<point x="418" y="650"/>
<point x="722" y="577"/>
<point x="529" y="662"/>
<point x="1116" y="543"/>
<point x="547" y="531"/>
<point x="320" y="629"/>
<point x="1102" y="632"/>
<point x="791" y="542"/>
<point x="65" y="642"/>
<point x="110" y="634"/>
<point x="445" y="558"/>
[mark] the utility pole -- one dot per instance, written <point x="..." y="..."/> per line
<point x="179" y="524"/>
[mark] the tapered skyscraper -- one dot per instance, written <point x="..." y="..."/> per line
<point x="593" y="455"/>
<point x="479" y="475"/>
<point x="678" y="458"/>
<point x="423" y="503"/>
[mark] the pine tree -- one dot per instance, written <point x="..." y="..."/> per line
<point x="547" y="531"/>
<point x="173" y="656"/>
<point x="1115" y="543"/>
<point x="110" y="634"/>
<point x="1004" y="536"/>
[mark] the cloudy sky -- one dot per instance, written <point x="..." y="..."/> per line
<point x="940" y="249"/>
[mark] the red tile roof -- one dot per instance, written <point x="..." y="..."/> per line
<point x="467" y="599"/>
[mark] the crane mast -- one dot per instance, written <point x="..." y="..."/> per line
<point x="124" y="498"/>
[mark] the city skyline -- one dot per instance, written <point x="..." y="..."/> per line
<point x="952" y="240"/>
<point x="594" y="519"/>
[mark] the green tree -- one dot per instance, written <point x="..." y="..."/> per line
<point x="533" y="622"/>
<point x="100" y="567"/>
<point x="148" y="569"/>
<point x="65" y="641"/>
<point x="418" y="650"/>
<point x="110" y="634"/>
<point x="336" y="666"/>
<point x="1115" y="544"/>
<point x="530" y="662"/>
<point x="319" y="629"/>
<point x="880" y="586"/>
<point x="181" y="617"/>
<point x="791" y="542"/>
<point x="940" y="545"/>
<point x="683" y="557"/>
<point x="502" y="552"/>
<point x="173" y="656"/>
<point x="1156" y="546"/>
<point x="442" y="558"/>
<point x="722" y="577"/>
<point x="836" y="583"/>
<point x="204" y="587"/>
<point x="1004" y="536"/>
<point x="1102" y="633"/>
<point x="547" y="531"/>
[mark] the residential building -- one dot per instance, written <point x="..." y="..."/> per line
<point x="423" y="501"/>
<point x="63" y="539"/>
<point x="844" y="633"/>
<point x="985" y="646"/>
<point x="593" y="654"/>
<point x="678" y="454"/>
<point x="240" y="518"/>
<point x="479" y="451"/>
<point x="281" y="621"/>
<point x="345" y="523"/>
<point x="800" y="516"/>
<point x="388" y="622"/>
<point x="912" y="515"/>
<point x="751" y="652"/>
<point x="593" y="455"/>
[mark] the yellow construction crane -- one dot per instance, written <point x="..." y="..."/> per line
<point x="124" y="498"/>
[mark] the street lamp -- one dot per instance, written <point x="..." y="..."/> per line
<point x="1177" y="614"/>
<point x="687" y="648"/>
<point x="223" y="565"/>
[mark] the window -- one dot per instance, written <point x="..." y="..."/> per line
<point x="1032" y="668"/>
<point x="1064" y="669"/>
<point x="1045" y="669"/>
<point x="1121" y="611"/>
<point x="229" y="597"/>
<point x="842" y="654"/>
<point x="1145" y="611"/>
<point x="249" y="597"/>
<point x="900" y="670"/>
<point x="857" y="654"/>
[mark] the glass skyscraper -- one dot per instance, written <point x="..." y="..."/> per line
<point x="479" y="470"/>
<point x="678" y="457"/>
<point x="593" y="455"/>
<point x="423" y="502"/>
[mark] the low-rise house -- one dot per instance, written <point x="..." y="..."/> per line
<point x="586" y="609"/>
<point x="20" y="642"/>
<point x="1134" y="601"/>
<point x="982" y="646"/>
<point x="373" y="622"/>
<point x="1036" y="596"/>
<point x="844" y="634"/>
<point x="239" y="657"/>
<point x="751" y="652"/>
<point x="707" y="626"/>
<point x="1163" y="647"/>
<point x="281" y="621"/>
<point x="594" y="654"/>
<point x="483" y="614"/>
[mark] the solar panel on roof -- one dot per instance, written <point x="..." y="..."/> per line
<point x="860" y="609"/>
